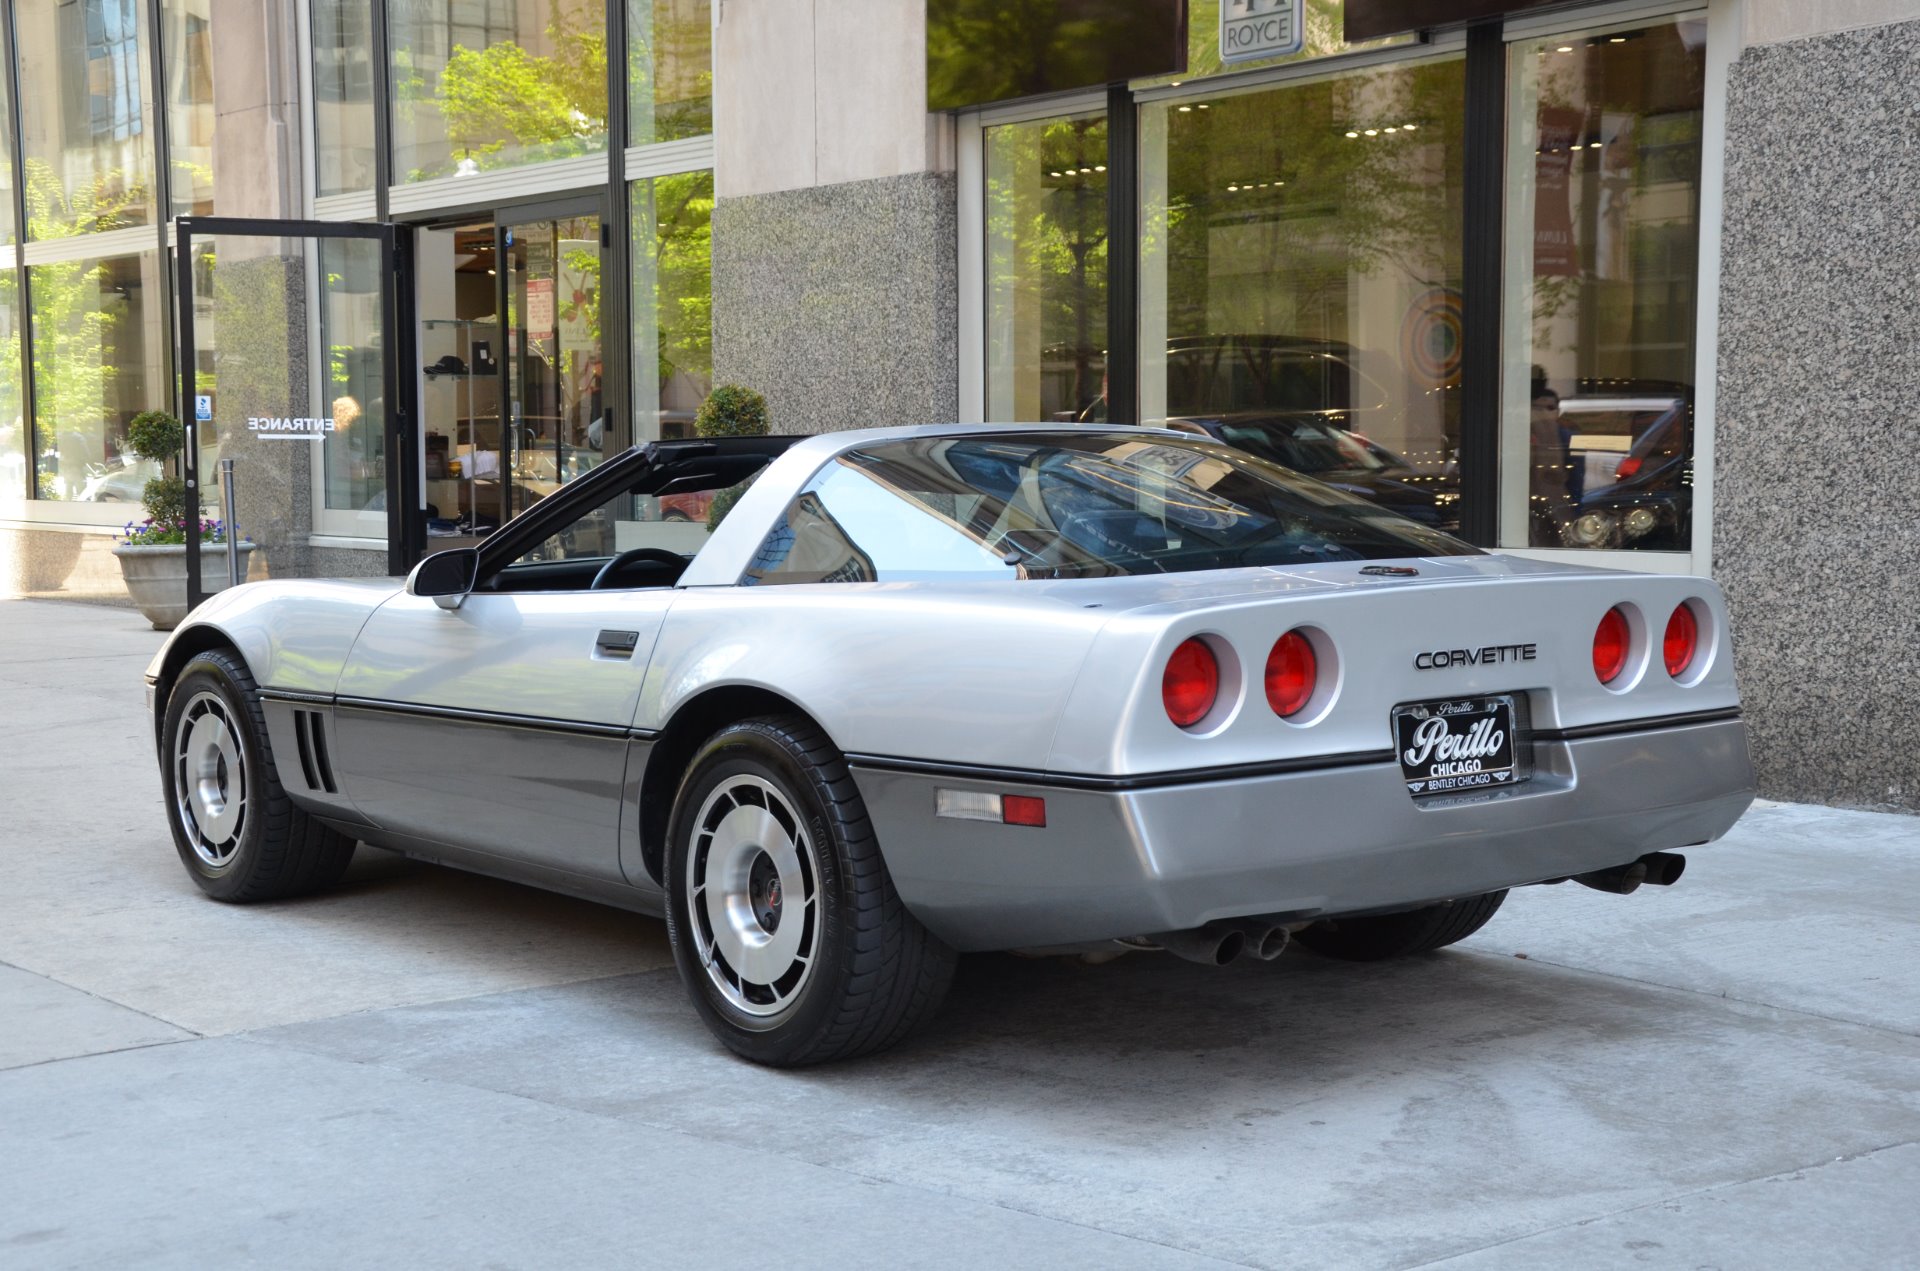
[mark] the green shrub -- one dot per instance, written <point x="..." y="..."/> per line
<point x="165" y="499"/>
<point x="156" y="435"/>
<point x="732" y="411"/>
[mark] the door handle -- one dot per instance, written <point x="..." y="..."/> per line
<point x="616" y="644"/>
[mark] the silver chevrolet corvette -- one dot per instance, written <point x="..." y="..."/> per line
<point x="909" y="692"/>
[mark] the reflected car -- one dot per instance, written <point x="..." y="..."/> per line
<point x="934" y="690"/>
<point x="1649" y="503"/>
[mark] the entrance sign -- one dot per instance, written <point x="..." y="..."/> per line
<point x="289" y="428"/>
<point x="1252" y="30"/>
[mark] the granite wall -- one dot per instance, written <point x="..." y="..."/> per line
<point x="1816" y="524"/>
<point x="839" y="302"/>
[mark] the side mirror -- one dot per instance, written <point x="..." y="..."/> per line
<point x="446" y="576"/>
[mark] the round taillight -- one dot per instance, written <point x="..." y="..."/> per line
<point x="1292" y="673"/>
<point x="1683" y="637"/>
<point x="1191" y="683"/>
<point x="1610" y="646"/>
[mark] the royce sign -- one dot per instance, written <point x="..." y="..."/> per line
<point x="1254" y="29"/>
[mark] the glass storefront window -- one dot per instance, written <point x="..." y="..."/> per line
<point x="1300" y="277"/>
<point x="83" y="116"/>
<point x="1046" y="264"/>
<point x="13" y="423"/>
<point x="496" y="84"/>
<point x="1603" y="221"/>
<point x="343" y="71"/>
<point x="353" y="456"/>
<point x="669" y="69"/>
<point x="187" y="46"/>
<point x="99" y="338"/>
<point x="672" y="303"/>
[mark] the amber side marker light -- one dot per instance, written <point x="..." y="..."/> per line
<point x="1191" y="683"/>
<point x="1682" y="640"/>
<point x="1292" y="674"/>
<point x="1610" y="642"/>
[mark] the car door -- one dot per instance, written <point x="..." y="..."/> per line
<point x="498" y="720"/>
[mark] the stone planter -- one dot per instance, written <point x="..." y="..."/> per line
<point x="157" y="577"/>
<point x="40" y="562"/>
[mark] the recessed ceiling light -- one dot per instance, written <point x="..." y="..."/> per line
<point x="1373" y="132"/>
<point x="1186" y="110"/>
<point x="1351" y="133"/>
<point x="1618" y="39"/>
<point x="1099" y="167"/>
<point x="1409" y="127"/>
<point x="1053" y="174"/>
<point x="1233" y="189"/>
<point x="1203" y="105"/>
<point x="1565" y="48"/>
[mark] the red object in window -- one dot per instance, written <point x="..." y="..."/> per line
<point x="1610" y="643"/>
<point x="1628" y="467"/>
<point x="1023" y="809"/>
<point x="1292" y="672"/>
<point x="1683" y="637"/>
<point x="1191" y="682"/>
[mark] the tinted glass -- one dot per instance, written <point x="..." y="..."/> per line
<point x="1603" y="158"/>
<point x="343" y="71"/>
<point x="1068" y="505"/>
<point x="83" y="116"/>
<point x="982" y="51"/>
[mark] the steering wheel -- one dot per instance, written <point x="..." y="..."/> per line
<point x="658" y="555"/>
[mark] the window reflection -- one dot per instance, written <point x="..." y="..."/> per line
<point x="89" y="156"/>
<point x="343" y="71"/>
<point x="1046" y="269"/>
<point x="669" y="70"/>
<point x="496" y="83"/>
<point x="1603" y="223"/>
<point x="1300" y="277"/>
<point x="672" y="303"/>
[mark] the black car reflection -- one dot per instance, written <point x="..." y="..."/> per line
<point x="1649" y="503"/>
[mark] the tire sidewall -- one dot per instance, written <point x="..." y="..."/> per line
<point x="209" y="672"/>
<point x="754" y="749"/>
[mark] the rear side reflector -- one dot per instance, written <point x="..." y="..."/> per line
<point x="1292" y="673"/>
<point x="1683" y="637"/>
<point x="1004" y="809"/>
<point x="1610" y="643"/>
<point x="1191" y="683"/>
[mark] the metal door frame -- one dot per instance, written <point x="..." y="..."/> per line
<point x="406" y="522"/>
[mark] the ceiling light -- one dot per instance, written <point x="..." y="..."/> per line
<point x="1185" y="109"/>
<point x="1578" y="146"/>
<point x="1055" y="174"/>
<point x="1099" y="167"/>
<point x="1390" y="128"/>
<point x="1173" y="83"/>
<point x="1203" y="105"/>
<point x="1086" y="172"/>
<point x="1373" y="132"/>
<point x="1565" y="48"/>
<point x="1409" y="127"/>
<point x="1233" y="189"/>
<point x="1351" y="133"/>
<point x="1618" y="39"/>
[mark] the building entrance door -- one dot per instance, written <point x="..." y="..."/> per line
<point x="292" y="340"/>
<point x="512" y="400"/>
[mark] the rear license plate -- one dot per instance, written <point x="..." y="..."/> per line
<point x="1466" y="743"/>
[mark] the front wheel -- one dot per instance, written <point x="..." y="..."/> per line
<point x="1380" y="936"/>
<point x="237" y="833"/>
<point x="785" y="925"/>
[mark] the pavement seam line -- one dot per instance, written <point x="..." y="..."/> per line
<point x="1683" y="989"/>
<point x="96" y="1054"/>
<point x="1707" y="1190"/>
<point x="683" y="1133"/>
<point x="158" y="1019"/>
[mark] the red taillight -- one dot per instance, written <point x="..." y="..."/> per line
<point x="1683" y="636"/>
<point x="1628" y="467"/>
<point x="1291" y="674"/>
<point x="1191" y="683"/>
<point x="1610" y="646"/>
<point x="1023" y="809"/>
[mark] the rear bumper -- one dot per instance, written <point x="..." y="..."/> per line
<point x="1113" y="863"/>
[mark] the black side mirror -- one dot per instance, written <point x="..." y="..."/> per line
<point x="446" y="576"/>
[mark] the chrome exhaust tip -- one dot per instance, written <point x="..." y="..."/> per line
<point x="1215" y="944"/>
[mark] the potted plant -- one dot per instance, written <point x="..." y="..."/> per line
<point x="153" y="554"/>
<point x="730" y="411"/>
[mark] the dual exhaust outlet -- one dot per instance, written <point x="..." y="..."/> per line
<point x="1219" y="943"/>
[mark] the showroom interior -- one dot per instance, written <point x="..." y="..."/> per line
<point x="1515" y="268"/>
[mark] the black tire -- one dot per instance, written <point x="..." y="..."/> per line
<point x="872" y="973"/>
<point x="1381" y="936"/>
<point x="269" y="849"/>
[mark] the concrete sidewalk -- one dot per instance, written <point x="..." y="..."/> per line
<point x="428" y="1069"/>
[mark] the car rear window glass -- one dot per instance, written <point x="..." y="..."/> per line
<point x="1069" y="505"/>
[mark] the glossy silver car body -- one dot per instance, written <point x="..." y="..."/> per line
<point x="496" y="736"/>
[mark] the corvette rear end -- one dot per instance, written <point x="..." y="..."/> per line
<point x="1334" y="740"/>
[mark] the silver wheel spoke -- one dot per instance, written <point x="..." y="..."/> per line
<point x="210" y="779"/>
<point x="751" y="894"/>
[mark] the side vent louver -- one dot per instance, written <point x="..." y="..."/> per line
<point x="311" y="731"/>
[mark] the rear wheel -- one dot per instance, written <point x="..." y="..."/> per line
<point x="785" y="926"/>
<point x="237" y="833"/>
<point x="1380" y="936"/>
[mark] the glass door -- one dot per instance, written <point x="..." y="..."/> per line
<point x="289" y="369"/>
<point x="555" y="412"/>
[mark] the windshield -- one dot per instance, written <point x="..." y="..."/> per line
<point x="1069" y="505"/>
<point x="1307" y="446"/>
